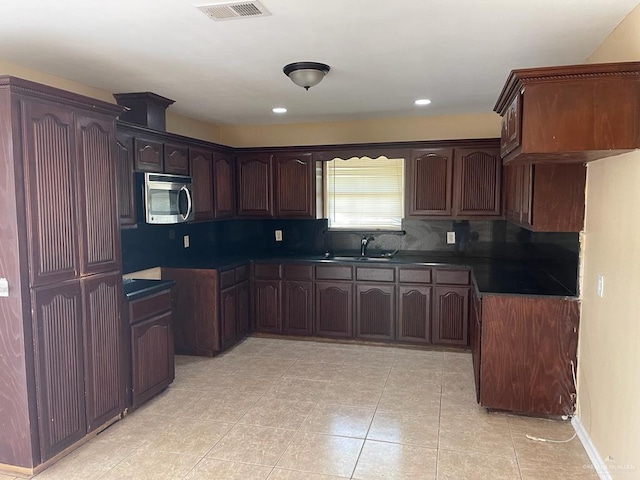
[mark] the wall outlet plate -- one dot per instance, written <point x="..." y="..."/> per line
<point x="4" y="287"/>
<point x="451" y="238"/>
<point x="278" y="235"/>
<point x="185" y="240"/>
<point x="600" y="288"/>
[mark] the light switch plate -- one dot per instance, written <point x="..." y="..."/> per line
<point x="600" y="290"/>
<point x="4" y="287"/>
<point x="278" y="235"/>
<point x="185" y="240"/>
<point x="451" y="237"/>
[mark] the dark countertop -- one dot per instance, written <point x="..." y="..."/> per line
<point x="133" y="289"/>
<point x="492" y="275"/>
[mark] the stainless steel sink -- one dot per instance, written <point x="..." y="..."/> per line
<point x="360" y="259"/>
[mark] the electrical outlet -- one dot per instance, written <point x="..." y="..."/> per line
<point x="4" y="287"/>
<point x="451" y="238"/>
<point x="185" y="240"/>
<point x="600" y="285"/>
<point x="278" y="235"/>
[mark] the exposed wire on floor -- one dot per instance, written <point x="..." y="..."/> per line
<point x="549" y="440"/>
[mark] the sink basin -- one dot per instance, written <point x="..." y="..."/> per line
<point x="361" y="259"/>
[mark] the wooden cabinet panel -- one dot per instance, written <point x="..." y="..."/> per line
<point x="243" y="311"/>
<point x="429" y="183"/>
<point x="511" y="131"/>
<point x="267" y="270"/>
<point x="202" y="184"/>
<point x="151" y="357"/>
<point x="334" y="272"/>
<point x="475" y="327"/>
<point x="450" y="276"/>
<point x="149" y="306"/>
<point x="97" y="203"/>
<point x="223" y="181"/>
<point x="125" y="181"/>
<point x="512" y="177"/>
<point x="528" y="345"/>
<point x="334" y="309"/>
<point x="414" y="275"/>
<point x="375" y="311"/>
<point x="451" y="316"/>
<point x="228" y="316"/>
<point x="242" y="273"/>
<point x="477" y="183"/>
<point x="51" y="193"/>
<point x="292" y="271"/>
<point x="375" y="274"/>
<point x="294" y="185"/>
<point x="149" y="154"/>
<point x="227" y="278"/>
<point x="254" y="185"/>
<point x="104" y="351"/>
<point x="267" y="315"/>
<point x="414" y="313"/>
<point x="297" y="308"/>
<point x="57" y="325"/>
<point x="176" y="159"/>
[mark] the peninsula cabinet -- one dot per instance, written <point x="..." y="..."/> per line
<point x="61" y="259"/>
<point x="545" y="197"/>
<point x="254" y="185"/>
<point x="234" y="305"/>
<point x="576" y="113"/>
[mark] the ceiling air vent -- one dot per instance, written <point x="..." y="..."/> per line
<point x="233" y="10"/>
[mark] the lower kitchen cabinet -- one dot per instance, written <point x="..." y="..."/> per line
<point x="267" y="315"/>
<point x="297" y="307"/>
<point x="475" y="332"/>
<point x="334" y="309"/>
<point x="228" y="316"/>
<point x="375" y="311"/>
<point x="414" y="313"/>
<point x="243" y="311"/>
<point x="451" y="315"/>
<point x="528" y="350"/>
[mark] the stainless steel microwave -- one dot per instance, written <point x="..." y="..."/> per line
<point x="167" y="198"/>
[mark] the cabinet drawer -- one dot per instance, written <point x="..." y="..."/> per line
<point x="267" y="270"/>
<point x="242" y="273"/>
<point x="297" y="272"/>
<point x="453" y="277"/>
<point x="149" y="306"/>
<point x="376" y="274"/>
<point x="334" y="272"/>
<point x="414" y="275"/>
<point x="227" y="279"/>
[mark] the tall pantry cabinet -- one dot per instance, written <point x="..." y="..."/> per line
<point x="61" y="343"/>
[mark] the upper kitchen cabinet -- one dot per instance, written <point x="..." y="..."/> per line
<point x="294" y="182"/>
<point x="223" y="183"/>
<point x="575" y="113"/>
<point x="202" y="178"/>
<point x="254" y="181"/>
<point x="176" y="159"/>
<point x="429" y="182"/>
<point x="125" y="180"/>
<point x="477" y="182"/>
<point x="149" y="154"/>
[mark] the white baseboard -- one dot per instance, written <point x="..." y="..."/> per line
<point x="598" y="463"/>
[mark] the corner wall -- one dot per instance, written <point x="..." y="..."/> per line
<point x="608" y="350"/>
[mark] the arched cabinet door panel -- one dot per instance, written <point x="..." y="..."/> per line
<point x="451" y="316"/>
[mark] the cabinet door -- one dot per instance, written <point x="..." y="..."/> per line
<point x="334" y="309"/>
<point x="266" y="306"/>
<point x="176" y="159"/>
<point x="254" y="186"/>
<point x="294" y="181"/>
<point x="243" y="308"/>
<point x="430" y="182"/>
<point x="414" y="313"/>
<point x="512" y="192"/>
<point x="149" y="155"/>
<point x="51" y="193"/>
<point x="526" y="195"/>
<point x="104" y="352"/>
<point x="477" y="182"/>
<point x="510" y="136"/>
<point x="152" y="364"/>
<point x="98" y="211"/>
<point x="224" y="192"/>
<point x="451" y="316"/>
<point x="297" y="308"/>
<point x="125" y="179"/>
<point x="228" y="316"/>
<point x="375" y="311"/>
<point x="57" y="329"/>
<point x="202" y="178"/>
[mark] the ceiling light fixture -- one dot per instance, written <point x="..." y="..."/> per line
<point x="306" y="74"/>
<point x="422" y="101"/>
<point x="279" y="110"/>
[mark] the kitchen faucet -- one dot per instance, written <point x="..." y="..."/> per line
<point x="363" y="245"/>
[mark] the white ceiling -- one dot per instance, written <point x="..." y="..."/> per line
<point x="383" y="54"/>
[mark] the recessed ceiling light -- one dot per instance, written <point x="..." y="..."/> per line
<point x="422" y="101"/>
<point x="279" y="110"/>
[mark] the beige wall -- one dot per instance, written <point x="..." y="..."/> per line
<point x="483" y="125"/>
<point x="609" y="352"/>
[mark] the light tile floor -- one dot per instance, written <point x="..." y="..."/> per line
<point x="292" y="410"/>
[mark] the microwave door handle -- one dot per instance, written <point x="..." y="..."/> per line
<point x="189" y="205"/>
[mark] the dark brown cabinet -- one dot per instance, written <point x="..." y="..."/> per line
<point x="475" y="332"/>
<point x="267" y="315"/>
<point x="149" y="154"/>
<point x="477" y="183"/>
<point x="125" y="186"/>
<point x="575" y="113"/>
<point x="297" y="299"/>
<point x="202" y="178"/>
<point x="414" y="313"/>
<point x="176" y="159"/>
<point x="254" y="180"/>
<point x="375" y="311"/>
<point x="228" y="315"/>
<point x="243" y="311"/>
<point x="294" y="185"/>
<point x="429" y="183"/>
<point x="223" y="183"/>
<point x="334" y="309"/>
<point x="234" y="305"/>
<point x="545" y="197"/>
<point x="451" y="315"/>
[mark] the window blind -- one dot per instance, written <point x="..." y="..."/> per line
<point x="364" y="193"/>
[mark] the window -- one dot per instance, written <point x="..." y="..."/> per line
<point x="364" y="193"/>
